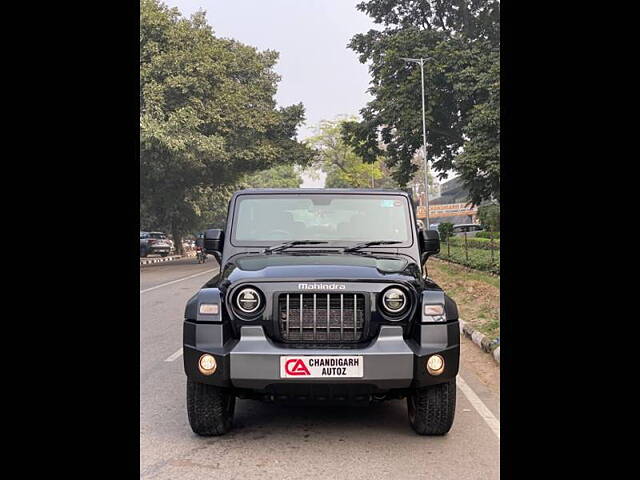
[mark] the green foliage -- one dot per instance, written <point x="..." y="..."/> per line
<point x="489" y="216"/>
<point x="495" y="235"/>
<point x="338" y="160"/>
<point x="475" y="242"/>
<point x="207" y="118"/>
<point x="462" y="84"/>
<point x="445" y="229"/>
<point x="479" y="259"/>
<point x="282" y="176"/>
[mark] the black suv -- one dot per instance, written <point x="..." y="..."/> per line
<point x="321" y="298"/>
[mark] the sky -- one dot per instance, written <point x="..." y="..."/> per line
<point x="311" y="36"/>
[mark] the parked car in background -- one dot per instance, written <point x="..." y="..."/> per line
<point x="469" y="228"/>
<point x="154" y="243"/>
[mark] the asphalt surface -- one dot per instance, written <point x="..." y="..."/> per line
<point x="285" y="442"/>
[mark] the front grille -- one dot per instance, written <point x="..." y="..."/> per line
<point x="342" y="322"/>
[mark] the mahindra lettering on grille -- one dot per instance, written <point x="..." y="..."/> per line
<point x="321" y="317"/>
<point x="321" y="286"/>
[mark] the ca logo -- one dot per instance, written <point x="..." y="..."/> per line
<point x="295" y="366"/>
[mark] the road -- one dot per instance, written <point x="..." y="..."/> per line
<point x="284" y="442"/>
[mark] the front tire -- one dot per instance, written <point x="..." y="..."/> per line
<point x="431" y="409"/>
<point x="210" y="408"/>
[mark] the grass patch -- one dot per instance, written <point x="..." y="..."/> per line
<point x="490" y="328"/>
<point x="476" y="293"/>
<point x="452" y="269"/>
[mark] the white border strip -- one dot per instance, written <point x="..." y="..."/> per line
<point x="178" y="280"/>
<point x="481" y="408"/>
<point x="175" y="356"/>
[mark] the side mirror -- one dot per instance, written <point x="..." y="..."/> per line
<point x="430" y="242"/>
<point x="213" y="242"/>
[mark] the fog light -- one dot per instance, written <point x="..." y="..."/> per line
<point x="435" y="364"/>
<point x="207" y="364"/>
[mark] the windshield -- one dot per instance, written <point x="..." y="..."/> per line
<point x="337" y="219"/>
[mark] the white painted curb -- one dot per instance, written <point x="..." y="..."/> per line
<point x="479" y="339"/>
<point x="169" y="258"/>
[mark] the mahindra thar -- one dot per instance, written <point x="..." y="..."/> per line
<point x="322" y="297"/>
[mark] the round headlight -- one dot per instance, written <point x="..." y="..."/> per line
<point x="394" y="300"/>
<point x="248" y="300"/>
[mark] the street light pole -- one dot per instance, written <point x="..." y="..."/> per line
<point x="420" y="61"/>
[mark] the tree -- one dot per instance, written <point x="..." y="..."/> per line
<point x="445" y="229"/>
<point x="344" y="168"/>
<point x="489" y="216"/>
<point x="461" y="38"/>
<point x="207" y="118"/>
<point x="282" y="176"/>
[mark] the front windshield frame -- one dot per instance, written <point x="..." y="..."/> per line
<point x="331" y="244"/>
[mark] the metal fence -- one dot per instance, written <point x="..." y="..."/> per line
<point x="482" y="254"/>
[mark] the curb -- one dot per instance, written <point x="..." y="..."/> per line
<point x="147" y="261"/>
<point x="480" y="339"/>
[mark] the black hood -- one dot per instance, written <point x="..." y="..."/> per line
<point x="318" y="267"/>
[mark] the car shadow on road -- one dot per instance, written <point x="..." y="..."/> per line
<point x="255" y="419"/>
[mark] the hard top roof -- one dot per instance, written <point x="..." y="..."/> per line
<point x="304" y="191"/>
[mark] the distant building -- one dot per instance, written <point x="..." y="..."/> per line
<point x="452" y="191"/>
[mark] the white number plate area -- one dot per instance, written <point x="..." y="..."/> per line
<point x="334" y="366"/>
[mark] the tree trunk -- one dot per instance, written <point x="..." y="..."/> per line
<point x="177" y="240"/>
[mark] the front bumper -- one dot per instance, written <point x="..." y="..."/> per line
<point x="253" y="361"/>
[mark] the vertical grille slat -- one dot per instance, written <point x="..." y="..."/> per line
<point x="355" y="316"/>
<point x="342" y="315"/>
<point x="287" y="318"/>
<point x="330" y="318"/>
<point x="315" y="312"/>
<point x="328" y="315"/>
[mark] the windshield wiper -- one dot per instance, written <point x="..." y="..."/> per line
<point x="283" y="246"/>
<point x="370" y="244"/>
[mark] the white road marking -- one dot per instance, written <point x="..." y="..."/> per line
<point x="481" y="408"/>
<point x="179" y="280"/>
<point x="175" y="356"/>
